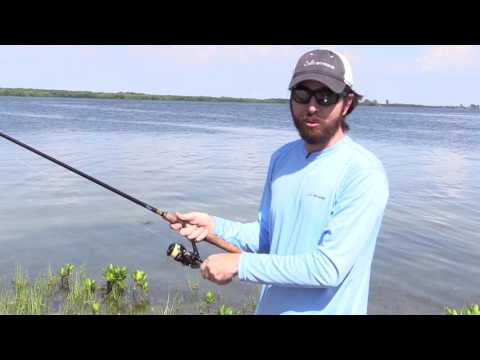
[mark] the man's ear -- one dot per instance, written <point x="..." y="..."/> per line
<point x="347" y="104"/>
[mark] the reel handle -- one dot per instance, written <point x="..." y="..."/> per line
<point x="211" y="238"/>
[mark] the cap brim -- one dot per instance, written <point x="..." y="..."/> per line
<point x="360" y="96"/>
<point x="335" y="85"/>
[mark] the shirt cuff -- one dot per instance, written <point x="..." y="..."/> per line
<point x="245" y="259"/>
<point x="218" y="226"/>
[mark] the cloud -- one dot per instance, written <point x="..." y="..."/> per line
<point x="449" y="57"/>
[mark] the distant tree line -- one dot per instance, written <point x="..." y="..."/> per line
<point x="367" y="102"/>
<point x="141" y="96"/>
<point x="126" y="95"/>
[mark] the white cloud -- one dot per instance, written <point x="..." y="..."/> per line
<point x="449" y="57"/>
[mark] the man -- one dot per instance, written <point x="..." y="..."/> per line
<point x="321" y="210"/>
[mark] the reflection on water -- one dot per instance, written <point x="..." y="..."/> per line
<point x="213" y="157"/>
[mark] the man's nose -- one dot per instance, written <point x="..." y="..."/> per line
<point x="312" y="108"/>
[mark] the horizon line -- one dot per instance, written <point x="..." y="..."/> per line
<point x="144" y="96"/>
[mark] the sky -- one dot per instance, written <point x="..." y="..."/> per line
<point x="427" y="75"/>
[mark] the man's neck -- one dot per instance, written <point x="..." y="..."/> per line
<point x="320" y="147"/>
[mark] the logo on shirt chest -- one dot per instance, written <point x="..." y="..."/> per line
<point x="317" y="196"/>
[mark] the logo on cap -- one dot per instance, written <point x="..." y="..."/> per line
<point x="313" y="63"/>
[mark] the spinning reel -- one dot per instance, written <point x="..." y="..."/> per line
<point x="188" y="258"/>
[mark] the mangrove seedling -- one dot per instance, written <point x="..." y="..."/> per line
<point x="209" y="297"/>
<point x="140" y="280"/>
<point x="140" y="283"/>
<point x="65" y="272"/>
<point x="115" y="277"/>
<point x="225" y="310"/>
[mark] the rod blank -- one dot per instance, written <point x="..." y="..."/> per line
<point x="168" y="216"/>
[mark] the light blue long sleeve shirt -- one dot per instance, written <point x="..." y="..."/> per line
<point x="313" y="243"/>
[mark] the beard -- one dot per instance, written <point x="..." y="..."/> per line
<point x="319" y="135"/>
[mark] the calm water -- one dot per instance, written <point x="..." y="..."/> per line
<point x="213" y="157"/>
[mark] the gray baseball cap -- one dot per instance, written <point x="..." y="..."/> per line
<point x="326" y="66"/>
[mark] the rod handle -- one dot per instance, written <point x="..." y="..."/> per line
<point x="211" y="238"/>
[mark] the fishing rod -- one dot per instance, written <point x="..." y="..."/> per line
<point x="176" y="251"/>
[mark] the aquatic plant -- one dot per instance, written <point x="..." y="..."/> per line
<point x="95" y="307"/>
<point x="225" y="310"/>
<point x="84" y="296"/>
<point x="209" y="297"/>
<point x="65" y="272"/>
<point x="89" y="286"/>
<point x="471" y="310"/>
<point x="140" y="280"/>
<point x="115" y="277"/>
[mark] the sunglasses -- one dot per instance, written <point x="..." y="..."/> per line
<point x="324" y="96"/>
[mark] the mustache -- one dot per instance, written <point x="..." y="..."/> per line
<point x="311" y="119"/>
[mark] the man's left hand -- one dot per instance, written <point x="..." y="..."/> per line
<point x="220" y="268"/>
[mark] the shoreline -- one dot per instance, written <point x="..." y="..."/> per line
<point x="70" y="291"/>
<point x="27" y="92"/>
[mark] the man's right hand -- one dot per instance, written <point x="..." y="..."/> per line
<point x="198" y="225"/>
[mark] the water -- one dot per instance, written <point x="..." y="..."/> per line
<point x="213" y="157"/>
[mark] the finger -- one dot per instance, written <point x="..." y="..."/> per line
<point x="205" y="268"/>
<point x="204" y="271"/>
<point x="194" y="235"/>
<point x="176" y="226"/>
<point x="193" y="218"/>
<point x="224" y="282"/>
<point x="187" y="230"/>
<point x="203" y="235"/>
<point x="185" y="217"/>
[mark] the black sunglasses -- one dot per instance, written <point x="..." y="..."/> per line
<point x="324" y="96"/>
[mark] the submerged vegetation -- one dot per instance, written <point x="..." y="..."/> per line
<point x="71" y="292"/>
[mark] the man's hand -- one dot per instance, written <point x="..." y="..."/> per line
<point x="198" y="225"/>
<point x="220" y="268"/>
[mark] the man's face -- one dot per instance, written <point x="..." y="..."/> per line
<point x="317" y="124"/>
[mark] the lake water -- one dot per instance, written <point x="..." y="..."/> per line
<point x="213" y="157"/>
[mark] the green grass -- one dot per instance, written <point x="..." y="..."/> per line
<point x="469" y="310"/>
<point x="73" y="293"/>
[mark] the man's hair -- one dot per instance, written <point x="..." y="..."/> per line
<point x="355" y="101"/>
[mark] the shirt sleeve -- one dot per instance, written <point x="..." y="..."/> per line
<point x="353" y="227"/>
<point x="249" y="237"/>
